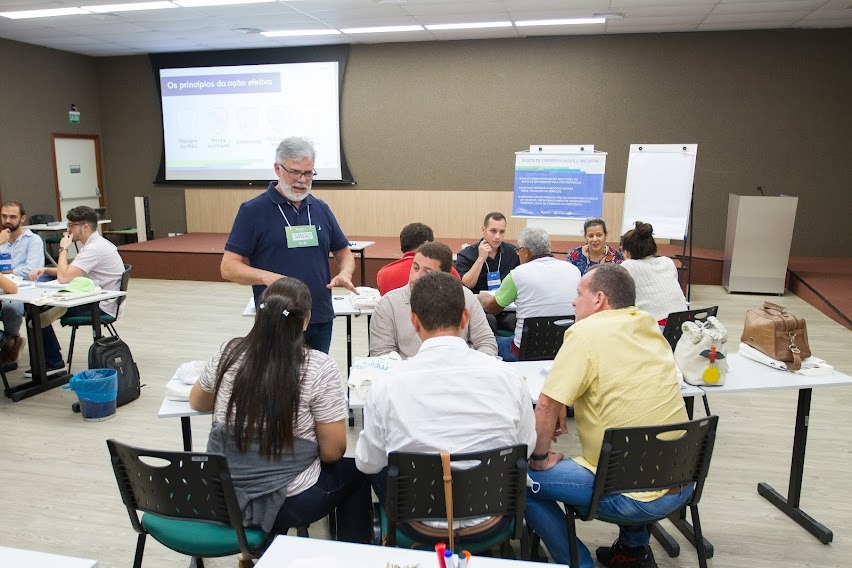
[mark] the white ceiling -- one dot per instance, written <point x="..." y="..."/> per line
<point x="215" y="28"/>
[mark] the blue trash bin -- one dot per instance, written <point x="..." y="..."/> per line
<point x="97" y="390"/>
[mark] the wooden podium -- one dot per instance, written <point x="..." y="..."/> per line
<point x="757" y="243"/>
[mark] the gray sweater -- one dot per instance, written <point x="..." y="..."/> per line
<point x="261" y="482"/>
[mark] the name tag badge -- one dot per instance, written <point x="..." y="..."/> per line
<point x="493" y="280"/>
<point x="300" y="236"/>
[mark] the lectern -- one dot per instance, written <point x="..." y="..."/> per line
<point x="757" y="243"/>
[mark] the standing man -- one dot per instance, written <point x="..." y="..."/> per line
<point x="98" y="260"/>
<point x="484" y="266"/>
<point x="633" y="385"/>
<point x="27" y="253"/>
<point x="285" y="231"/>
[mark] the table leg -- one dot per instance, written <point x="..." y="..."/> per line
<point x="40" y="381"/>
<point x="349" y="364"/>
<point x="790" y="505"/>
<point x="363" y="268"/>
<point x="186" y="430"/>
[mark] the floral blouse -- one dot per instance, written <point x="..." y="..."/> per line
<point x="581" y="261"/>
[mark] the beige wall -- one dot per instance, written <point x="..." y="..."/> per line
<point x="766" y="108"/>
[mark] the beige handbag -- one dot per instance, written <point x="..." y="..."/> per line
<point x="700" y="352"/>
<point x="776" y="332"/>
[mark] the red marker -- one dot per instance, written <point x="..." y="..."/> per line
<point x="440" y="549"/>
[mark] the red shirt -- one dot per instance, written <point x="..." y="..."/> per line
<point x="395" y="275"/>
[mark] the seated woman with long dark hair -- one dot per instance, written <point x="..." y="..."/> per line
<point x="658" y="291"/>
<point x="279" y="416"/>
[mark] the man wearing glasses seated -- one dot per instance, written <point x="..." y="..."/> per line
<point x="285" y="231"/>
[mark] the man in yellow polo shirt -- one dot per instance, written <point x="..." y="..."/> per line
<point x="617" y="370"/>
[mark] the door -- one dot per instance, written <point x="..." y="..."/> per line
<point x="77" y="171"/>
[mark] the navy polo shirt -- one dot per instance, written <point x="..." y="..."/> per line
<point x="506" y="258"/>
<point x="259" y="234"/>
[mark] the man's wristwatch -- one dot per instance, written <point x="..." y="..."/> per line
<point x="539" y="457"/>
<point x="63" y="249"/>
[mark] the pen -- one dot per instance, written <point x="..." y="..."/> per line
<point x="466" y="561"/>
<point x="440" y="548"/>
<point x="450" y="559"/>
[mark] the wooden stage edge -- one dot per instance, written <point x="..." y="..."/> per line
<point x="196" y="256"/>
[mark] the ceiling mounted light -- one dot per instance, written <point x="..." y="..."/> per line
<point x="564" y="22"/>
<point x="130" y="7"/>
<point x="23" y="14"/>
<point x="299" y="33"/>
<point x="203" y="3"/>
<point x="382" y="29"/>
<point x="470" y="26"/>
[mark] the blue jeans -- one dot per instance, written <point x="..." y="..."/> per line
<point x="504" y="349"/>
<point x="571" y="483"/>
<point x="341" y="488"/>
<point x="12" y="315"/>
<point x="318" y="335"/>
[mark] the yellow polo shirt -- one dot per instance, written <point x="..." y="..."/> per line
<point x="617" y="370"/>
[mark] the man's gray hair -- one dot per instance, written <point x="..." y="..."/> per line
<point x="534" y="239"/>
<point x="295" y="148"/>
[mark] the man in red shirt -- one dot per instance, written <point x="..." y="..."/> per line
<point x="395" y="274"/>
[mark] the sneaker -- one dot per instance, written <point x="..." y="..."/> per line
<point x="51" y="371"/>
<point x="620" y="556"/>
<point x="11" y="350"/>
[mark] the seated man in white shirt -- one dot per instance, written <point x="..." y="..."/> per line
<point x="98" y="260"/>
<point x="390" y="326"/>
<point x="447" y="397"/>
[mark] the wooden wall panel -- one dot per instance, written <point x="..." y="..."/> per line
<point x="382" y="213"/>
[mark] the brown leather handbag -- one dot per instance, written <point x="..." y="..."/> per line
<point x="776" y="332"/>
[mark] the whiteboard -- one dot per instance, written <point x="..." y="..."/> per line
<point x="659" y="188"/>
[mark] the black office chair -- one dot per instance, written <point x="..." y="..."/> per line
<point x="188" y="504"/>
<point x="492" y="484"/>
<point x="106" y="319"/>
<point x="542" y="337"/>
<point x="646" y="459"/>
<point x="674" y="330"/>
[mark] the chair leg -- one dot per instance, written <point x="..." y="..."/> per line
<point x="140" y="549"/>
<point x="244" y="561"/>
<point x="71" y="347"/>
<point x="302" y="531"/>
<point x="111" y="328"/>
<point x="699" y="538"/>
<point x="706" y="405"/>
<point x="573" y="548"/>
<point x="196" y="562"/>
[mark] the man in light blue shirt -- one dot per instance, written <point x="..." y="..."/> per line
<point x="27" y="252"/>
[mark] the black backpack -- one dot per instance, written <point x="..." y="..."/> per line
<point x="113" y="353"/>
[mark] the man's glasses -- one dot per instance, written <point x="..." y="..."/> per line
<point x="296" y="174"/>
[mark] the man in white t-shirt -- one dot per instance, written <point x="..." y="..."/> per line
<point x="98" y="260"/>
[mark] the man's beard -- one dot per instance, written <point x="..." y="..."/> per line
<point x="11" y="227"/>
<point x="287" y="191"/>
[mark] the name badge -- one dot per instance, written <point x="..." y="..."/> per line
<point x="493" y="280"/>
<point x="300" y="236"/>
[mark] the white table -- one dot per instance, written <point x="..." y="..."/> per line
<point x="745" y="375"/>
<point x="41" y="381"/>
<point x="31" y="559"/>
<point x="296" y="552"/>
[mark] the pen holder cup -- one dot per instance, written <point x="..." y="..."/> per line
<point x="97" y="390"/>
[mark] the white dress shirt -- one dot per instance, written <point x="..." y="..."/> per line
<point x="447" y="397"/>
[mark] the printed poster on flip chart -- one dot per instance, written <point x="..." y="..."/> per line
<point x="561" y="186"/>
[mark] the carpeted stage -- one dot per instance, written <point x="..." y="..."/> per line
<point x="822" y="282"/>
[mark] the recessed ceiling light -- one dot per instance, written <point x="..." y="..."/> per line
<point x="610" y="15"/>
<point x="130" y="7"/>
<point x="202" y="3"/>
<point x="22" y="14"/>
<point x="382" y="29"/>
<point x="565" y="22"/>
<point x="299" y="33"/>
<point x="470" y="26"/>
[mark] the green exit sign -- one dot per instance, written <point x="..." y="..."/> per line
<point x="73" y="117"/>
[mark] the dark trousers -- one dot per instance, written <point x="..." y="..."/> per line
<point x="52" y="350"/>
<point x="340" y="486"/>
<point x="503" y="321"/>
<point x="318" y="336"/>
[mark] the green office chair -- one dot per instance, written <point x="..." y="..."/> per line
<point x="188" y="504"/>
<point x="106" y="319"/>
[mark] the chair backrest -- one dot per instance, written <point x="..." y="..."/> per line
<point x="122" y="287"/>
<point x="647" y="458"/>
<point x="542" y="337"/>
<point x="41" y="219"/>
<point x="673" y="331"/>
<point x="493" y="482"/>
<point x="179" y="485"/>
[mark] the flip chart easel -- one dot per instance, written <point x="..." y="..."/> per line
<point x="659" y="191"/>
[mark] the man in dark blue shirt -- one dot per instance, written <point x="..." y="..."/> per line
<point x="285" y="231"/>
